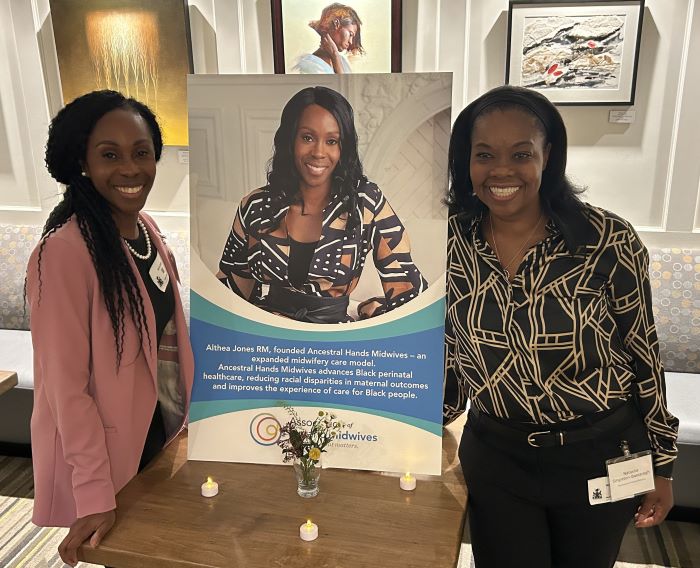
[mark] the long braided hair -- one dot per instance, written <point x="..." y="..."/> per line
<point x="282" y="175"/>
<point x="65" y="153"/>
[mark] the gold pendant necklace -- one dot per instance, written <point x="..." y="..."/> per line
<point x="495" y="244"/>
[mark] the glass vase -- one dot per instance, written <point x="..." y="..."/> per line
<point x="307" y="472"/>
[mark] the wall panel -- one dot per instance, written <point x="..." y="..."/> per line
<point x="646" y="171"/>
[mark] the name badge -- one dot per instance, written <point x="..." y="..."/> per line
<point x="159" y="274"/>
<point x="598" y="491"/>
<point x="630" y="474"/>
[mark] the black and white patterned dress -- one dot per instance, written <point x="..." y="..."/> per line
<point x="253" y="251"/>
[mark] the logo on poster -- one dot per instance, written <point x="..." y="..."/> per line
<point x="265" y="429"/>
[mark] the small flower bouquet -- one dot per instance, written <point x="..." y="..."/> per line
<point x="303" y="445"/>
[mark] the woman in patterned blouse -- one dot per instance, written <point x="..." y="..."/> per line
<point x="307" y="233"/>
<point x="550" y="336"/>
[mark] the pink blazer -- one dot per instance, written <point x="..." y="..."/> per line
<point x="90" y="419"/>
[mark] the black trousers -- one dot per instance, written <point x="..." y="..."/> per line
<point x="528" y="507"/>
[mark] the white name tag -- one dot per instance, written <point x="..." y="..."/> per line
<point x="159" y="274"/>
<point x="598" y="491"/>
<point x="630" y="475"/>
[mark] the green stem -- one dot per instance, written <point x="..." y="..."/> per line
<point x="307" y="467"/>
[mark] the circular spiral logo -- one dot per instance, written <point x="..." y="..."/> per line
<point x="265" y="429"/>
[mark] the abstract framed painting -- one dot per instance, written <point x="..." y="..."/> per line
<point x="575" y="53"/>
<point x="320" y="36"/>
<point x="142" y="49"/>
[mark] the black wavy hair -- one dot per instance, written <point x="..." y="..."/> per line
<point x="66" y="150"/>
<point x="282" y="175"/>
<point x="557" y="193"/>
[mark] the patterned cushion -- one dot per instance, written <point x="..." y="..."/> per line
<point x="16" y="245"/>
<point x="675" y="285"/>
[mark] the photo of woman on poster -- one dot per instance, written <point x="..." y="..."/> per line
<point x="339" y="29"/>
<point x="297" y="246"/>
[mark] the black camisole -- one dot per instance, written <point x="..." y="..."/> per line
<point x="300" y="255"/>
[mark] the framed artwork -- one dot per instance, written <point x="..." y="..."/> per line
<point x="142" y="49"/>
<point x="575" y="53"/>
<point x="320" y="36"/>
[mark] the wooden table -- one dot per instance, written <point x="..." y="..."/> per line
<point x="8" y="380"/>
<point x="364" y="518"/>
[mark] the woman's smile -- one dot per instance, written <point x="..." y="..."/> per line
<point x="316" y="169"/>
<point x="129" y="191"/>
<point x="503" y="193"/>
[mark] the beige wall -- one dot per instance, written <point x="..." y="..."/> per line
<point x="647" y="171"/>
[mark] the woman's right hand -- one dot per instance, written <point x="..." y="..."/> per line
<point x="329" y="46"/>
<point x="330" y="54"/>
<point x="92" y="527"/>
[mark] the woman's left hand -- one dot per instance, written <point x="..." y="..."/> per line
<point x="655" y="505"/>
<point x="367" y="308"/>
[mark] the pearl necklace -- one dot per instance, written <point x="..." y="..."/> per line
<point x="148" y="243"/>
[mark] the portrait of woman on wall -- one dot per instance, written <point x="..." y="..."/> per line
<point x="339" y="28"/>
<point x="297" y="246"/>
<point x="317" y="36"/>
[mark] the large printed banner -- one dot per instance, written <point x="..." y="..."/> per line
<point x="379" y="365"/>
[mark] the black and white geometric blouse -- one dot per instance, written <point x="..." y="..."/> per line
<point x="572" y="335"/>
<point x="252" y="251"/>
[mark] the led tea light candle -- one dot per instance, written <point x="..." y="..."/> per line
<point x="308" y="531"/>
<point x="407" y="482"/>
<point x="209" y="488"/>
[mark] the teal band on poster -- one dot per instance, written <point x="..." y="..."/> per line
<point x="429" y="318"/>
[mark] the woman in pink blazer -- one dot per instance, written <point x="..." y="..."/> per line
<point x="112" y="361"/>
